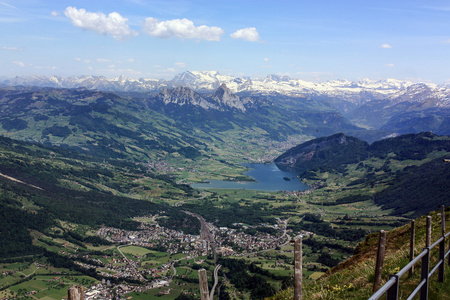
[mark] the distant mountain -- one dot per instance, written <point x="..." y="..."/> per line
<point x="222" y="99"/>
<point x="207" y="81"/>
<point x="101" y="83"/>
<point x="184" y="96"/>
<point x="419" y="107"/>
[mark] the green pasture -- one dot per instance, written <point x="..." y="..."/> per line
<point x="175" y="291"/>
<point x="49" y="286"/>
<point x="316" y="275"/>
<point x="135" y="250"/>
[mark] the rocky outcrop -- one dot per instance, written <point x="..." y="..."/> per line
<point x="223" y="99"/>
<point x="185" y="96"/>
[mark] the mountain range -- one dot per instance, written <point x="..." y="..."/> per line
<point x="206" y="81"/>
<point x="392" y="106"/>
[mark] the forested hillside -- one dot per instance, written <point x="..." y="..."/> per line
<point x="409" y="170"/>
<point x="145" y="126"/>
<point x="326" y="153"/>
<point x="417" y="190"/>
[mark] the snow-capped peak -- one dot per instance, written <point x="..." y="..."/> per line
<point x="209" y="81"/>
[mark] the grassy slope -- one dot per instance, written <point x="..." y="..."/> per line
<point x="353" y="278"/>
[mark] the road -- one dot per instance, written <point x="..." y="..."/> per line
<point x="19" y="181"/>
<point x="130" y="265"/>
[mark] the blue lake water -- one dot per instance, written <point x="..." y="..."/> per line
<point x="268" y="178"/>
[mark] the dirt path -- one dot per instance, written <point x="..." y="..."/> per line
<point x="19" y="181"/>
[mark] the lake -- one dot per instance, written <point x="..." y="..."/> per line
<point x="268" y="178"/>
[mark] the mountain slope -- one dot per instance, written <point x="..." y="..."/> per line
<point x="405" y="174"/>
<point x="417" y="190"/>
<point x="102" y="123"/>
<point x="40" y="186"/>
<point x="336" y="151"/>
<point x="330" y="152"/>
<point x="436" y="120"/>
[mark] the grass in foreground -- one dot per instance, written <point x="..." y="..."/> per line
<point x="353" y="279"/>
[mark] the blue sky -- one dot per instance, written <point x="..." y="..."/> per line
<point x="311" y="40"/>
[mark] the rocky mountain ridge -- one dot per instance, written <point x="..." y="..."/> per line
<point x="357" y="93"/>
<point x="222" y="99"/>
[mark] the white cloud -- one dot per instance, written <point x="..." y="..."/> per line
<point x="103" y="60"/>
<point x="54" y="13"/>
<point x="130" y="60"/>
<point x="7" y="5"/>
<point x="19" y="63"/>
<point x="247" y="34"/>
<point x="81" y="60"/>
<point x="385" y="46"/>
<point x="183" y="29"/>
<point x="46" y="67"/>
<point x="266" y="59"/>
<point x="390" y="65"/>
<point x="113" y="24"/>
<point x="180" y="64"/>
<point x="11" y="48"/>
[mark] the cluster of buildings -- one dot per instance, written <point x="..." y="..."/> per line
<point x="227" y="242"/>
<point x="153" y="236"/>
<point x="231" y="241"/>
<point x="105" y="291"/>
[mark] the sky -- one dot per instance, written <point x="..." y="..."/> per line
<point x="311" y="40"/>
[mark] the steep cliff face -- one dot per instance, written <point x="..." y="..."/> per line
<point x="223" y="99"/>
<point x="327" y="152"/>
<point x="185" y="96"/>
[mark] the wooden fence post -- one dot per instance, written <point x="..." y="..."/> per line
<point x="298" y="270"/>
<point x="424" y="275"/>
<point x="203" y="281"/>
<point x="412" y="245"/>
<point x="442" y="247"/>
<point x="428" y="234"/>
<point x="380" y="260"/>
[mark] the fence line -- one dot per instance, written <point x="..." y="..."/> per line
<point x="391" y="287"/>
